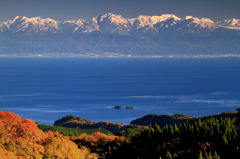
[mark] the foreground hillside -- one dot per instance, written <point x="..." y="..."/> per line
<point x="171" y="136"/>
<point x="211" y="137"/>
<point x="21" y="138"/>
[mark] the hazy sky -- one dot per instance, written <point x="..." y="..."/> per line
<point x="75" y="9"/>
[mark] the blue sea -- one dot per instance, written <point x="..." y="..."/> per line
<point x="46" y="89"/>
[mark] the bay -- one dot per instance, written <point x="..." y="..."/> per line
<point x="46" y="89"/>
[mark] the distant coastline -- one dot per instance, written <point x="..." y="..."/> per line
<point x="117" y="55"/>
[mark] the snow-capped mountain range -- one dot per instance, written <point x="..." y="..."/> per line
<point x="112" y="23"/>
<point x="145" y="35"/>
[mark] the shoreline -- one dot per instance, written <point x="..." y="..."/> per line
<point x="72" y="55"/>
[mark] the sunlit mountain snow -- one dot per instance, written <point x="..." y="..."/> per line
<point x="113" y="34"/>
<point x="109" y="22"/>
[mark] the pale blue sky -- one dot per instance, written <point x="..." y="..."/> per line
<point x="75" y="9"/>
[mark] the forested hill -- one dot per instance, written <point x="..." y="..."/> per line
<point x="162" y="120"/>
<point x="77" y="122"/>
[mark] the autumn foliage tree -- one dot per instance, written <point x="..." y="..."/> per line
<point x="21" y="138"/>
<point x="99" y="143"/>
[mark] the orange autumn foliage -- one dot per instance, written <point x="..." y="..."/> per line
<point x="21" y="138"/>
<point x="6" y="154"/>
<point x="98" y="137"/>
<point x="99" y="143"/>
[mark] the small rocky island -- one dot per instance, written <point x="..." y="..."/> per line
<point x="130" y="107"/>
<point x="121" y="107"/>
<point x="118" y="107"/>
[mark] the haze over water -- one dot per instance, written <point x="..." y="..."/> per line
<point x="46" y="89"/>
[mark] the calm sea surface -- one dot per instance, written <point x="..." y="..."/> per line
<point x="46" y="89"/>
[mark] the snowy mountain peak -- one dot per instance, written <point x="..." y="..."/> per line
<point x="71" y="26"/>
<point x="33" y="20"/>
<point x="14" y="20"/>
<point x="19" y="18"/>
<point x="189" y="17"/>
<point x="151" y="21"/>
<point x="143" y="19"/>
<point x="110" y="22"/>
<point x="108" y="15"/>
<point x="144" y="22"/>
<point x="157" y="19"/>
<point x="232" y="22"/>
<point x="197" y="20"/>
<point x="76" y="22"/>
<point x="203" y="22"/>
<point x="169" y="16"/>
<point x="34" y="24"/>
<point x="112" y="18"/>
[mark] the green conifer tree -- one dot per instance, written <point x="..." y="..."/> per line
<point x="200" y="155"/>
<point x="216" y="156"/>
<point x="209" y="155"/>
<point x="168" y="155"/>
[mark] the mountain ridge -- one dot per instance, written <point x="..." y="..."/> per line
<point x="113" y="35"/>
<point x="141" y="20"/>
